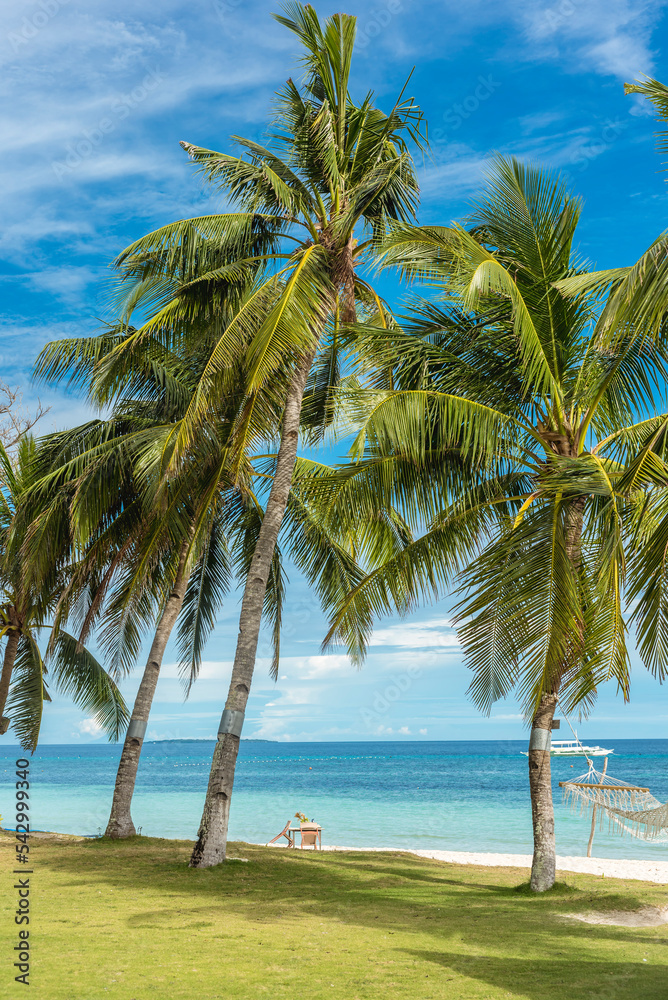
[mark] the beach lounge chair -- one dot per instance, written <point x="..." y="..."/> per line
<point x="285" y="832"/>
<point x="311" y="836"/>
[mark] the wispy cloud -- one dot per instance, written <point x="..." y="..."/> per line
<point x="418" y="635"/>
<point x="612" y="37"/>
<point x="540" y="120"/>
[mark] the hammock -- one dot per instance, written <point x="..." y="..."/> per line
<point x="629" y="808"/>
<point x="647" y="824"/>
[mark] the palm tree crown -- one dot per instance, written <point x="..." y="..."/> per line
<point x="513" y="434"/>
<point x="30" y="596"/>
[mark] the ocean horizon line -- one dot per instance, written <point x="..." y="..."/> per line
<point x="401" y="742"/>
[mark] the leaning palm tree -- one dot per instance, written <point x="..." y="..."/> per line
<point x="512" y="438"/>
<point x="140" y="556"/>
<point x="28" y="604"/>
<point x="170" y="543"/>
<point x="311" y="204"/>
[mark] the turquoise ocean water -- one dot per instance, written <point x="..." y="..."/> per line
<point x="447" y="796"/>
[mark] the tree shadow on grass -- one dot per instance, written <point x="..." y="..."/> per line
<point x="364" y="888"/>
<point x="572" y="977"/>
<point x="434" y="877"/>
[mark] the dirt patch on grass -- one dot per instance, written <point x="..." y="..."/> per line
<point x="648" y="916"/>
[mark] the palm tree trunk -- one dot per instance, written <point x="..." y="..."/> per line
<point x="212" y="837"/>
<point x="120" y="820"/>
<point x="5" y="678"/>
<point x="543" y="868"/>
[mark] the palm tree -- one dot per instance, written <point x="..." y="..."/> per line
<point x="636" y="306"/>
<point x="195" y="580"/>
<point x="333" y="172"/>
<point x="511" y="439"/>
<point x="142" y="555"/>
<point x="108" y="476"/>
<point x="28" y="603"/>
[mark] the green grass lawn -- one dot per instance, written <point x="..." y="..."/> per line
<point x="130" y="921"/>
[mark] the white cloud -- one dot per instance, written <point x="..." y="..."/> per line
<point x="414" y="635"/>
<point x="422" y="732"/>
<point x="312" y="667"/>
<point x="405" y="731"/>
<point x="84" y="153"/>
<point x="89" y="727"/>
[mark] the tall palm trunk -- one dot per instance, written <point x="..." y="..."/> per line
<point x="544" y="863"/>
<point x="9" y="659"/>
<point x="120" y="820"/>
<point x="212" y="837"/>
<point x="543" y="868"/>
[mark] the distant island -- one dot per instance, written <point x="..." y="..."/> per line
<point x="243" y="740"/>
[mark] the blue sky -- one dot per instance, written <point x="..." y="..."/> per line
<point x="96" y="97"/>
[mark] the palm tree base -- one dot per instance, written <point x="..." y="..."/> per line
<point x="120" y="828"/>
<point x="211" y="846"/>
<point x="543" y="871"/>
<point x="120" y="819"/>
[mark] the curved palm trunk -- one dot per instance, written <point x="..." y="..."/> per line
<point x="120" y="820"/>
<point x="544" y="863"/>
<point x="212" y="837"/>
<point x="9" y="659"/>
<point x="543" y="868"/>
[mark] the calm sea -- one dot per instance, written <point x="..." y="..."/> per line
<point x="449" y="796"/>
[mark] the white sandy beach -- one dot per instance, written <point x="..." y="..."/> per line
<point x="645" y="871"/>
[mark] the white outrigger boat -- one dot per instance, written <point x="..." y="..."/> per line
<point x="573" y="748"/>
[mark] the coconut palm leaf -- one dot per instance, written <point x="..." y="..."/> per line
<point x="28" y="693"/>
<point x="77" y="674"/>
<point x="208" y="584"/>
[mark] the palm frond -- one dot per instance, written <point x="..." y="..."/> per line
<point x="28" y="693"/>
<point x="77" y="674"/>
